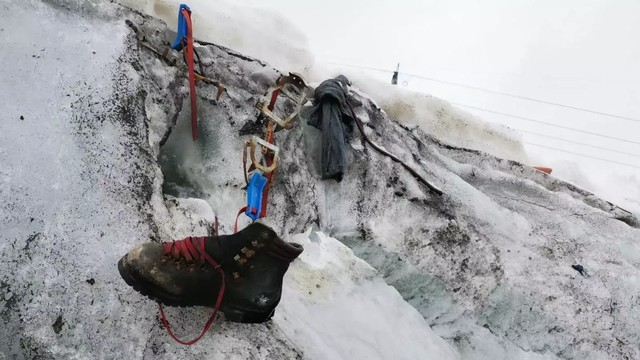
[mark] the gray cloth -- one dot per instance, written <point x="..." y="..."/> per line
<point x="331" y="115"/>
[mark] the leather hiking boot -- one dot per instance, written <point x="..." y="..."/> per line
<point x="246" y="269"/>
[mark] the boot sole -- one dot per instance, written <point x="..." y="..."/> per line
<point x="232" y="314"/>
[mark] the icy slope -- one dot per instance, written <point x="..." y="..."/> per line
<point x="487" y="265"/>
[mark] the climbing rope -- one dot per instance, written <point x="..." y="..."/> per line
<point x="391" y="156"/>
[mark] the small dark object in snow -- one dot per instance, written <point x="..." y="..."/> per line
<point x="57" y="325"/>
<point x="21" y="117"/>
<point x="579" y="268"/>
<point x="251" y="128"/>
<point x="91" y="281"/>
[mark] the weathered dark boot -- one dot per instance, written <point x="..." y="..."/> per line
<point x="186" y="273"/>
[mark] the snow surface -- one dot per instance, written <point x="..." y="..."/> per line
<point x="487" y="266"/>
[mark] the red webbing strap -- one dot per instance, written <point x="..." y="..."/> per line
<point x="203" y="256"/>
<point x="269" y="160"/>
<point x="274" y="97"/>
<point x="265" y="192"/>
<point x="235" y="226"/>
<point x="192" y="76"/>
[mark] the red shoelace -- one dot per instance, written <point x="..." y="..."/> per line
<point x="193" y="251"/>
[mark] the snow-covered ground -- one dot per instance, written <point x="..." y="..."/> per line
<point x="389" y="269"/>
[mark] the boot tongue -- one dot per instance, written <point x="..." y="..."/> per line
<point x="223" y="248"/>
